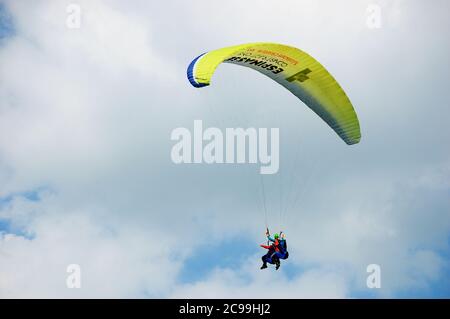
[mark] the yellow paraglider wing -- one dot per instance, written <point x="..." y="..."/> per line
<point x="295" y="70"/>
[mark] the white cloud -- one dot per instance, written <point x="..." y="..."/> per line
<point x="114" y="261"/>
<point x="248" y="282"/>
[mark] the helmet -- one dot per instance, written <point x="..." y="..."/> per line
<point x="275" y="236"/>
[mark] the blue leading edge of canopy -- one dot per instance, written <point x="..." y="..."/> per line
<point x="190" y="73"/>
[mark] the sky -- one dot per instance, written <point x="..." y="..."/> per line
<point x="86" y="178"/>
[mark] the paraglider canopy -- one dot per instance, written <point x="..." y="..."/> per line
<point x="294" y="69"/>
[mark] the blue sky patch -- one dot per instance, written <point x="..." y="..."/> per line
<point x="226" y="254"/>
<point x="6" y="23"/>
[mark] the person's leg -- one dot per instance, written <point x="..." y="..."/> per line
<point x="268" y="258"/>
<point x="282" y="255"/>
<point x="276" y="260"/>
<point x="264" y="265"/>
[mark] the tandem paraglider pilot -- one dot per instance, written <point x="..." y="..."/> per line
<point x="276" y="251"/>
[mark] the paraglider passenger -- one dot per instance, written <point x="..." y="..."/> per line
<point x="270" y="257"/>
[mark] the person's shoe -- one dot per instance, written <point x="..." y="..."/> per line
<point x="264" y="266"/>
<point x="277" y="266"/>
